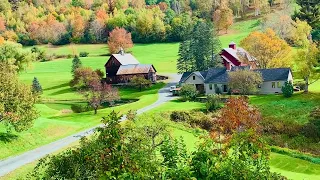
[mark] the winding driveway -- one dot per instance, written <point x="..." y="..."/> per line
<point x="12" y="163"/>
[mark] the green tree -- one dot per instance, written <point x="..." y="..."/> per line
<point x="200" y="51"/>
<point x="13" y="55"/>
<point x="307" y="60"/>
<point x="213" y="102"/>
<point x="244" y="81"/>
<point x="188" y="92"/>
<point x="17" y="110"/>
<point x="140" y="82"/>
<point x="287" y="89"/>
<point x="185" y="61"/>
<point x="309" y="11"/>
<point x="36" y="86"/>
<point x="76" y="63"/>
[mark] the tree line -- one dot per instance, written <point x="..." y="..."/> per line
<point x="90" y="21"/>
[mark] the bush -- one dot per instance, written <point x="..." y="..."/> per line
<point x="275" y="126"/>
<point x="77" y="108"/>
<point x="312" y="128"/>
<point x="132" y="115"/>
<point x="140" y="82"/>
<point x="217" y="89"/>
<point x="287" y="89"/>
<point x="180" y="116"/>
<point x="188" y="92"/>
<point x="194" y="118"/>
<point x="213" y="102"/>
<point x="83" y="54"/>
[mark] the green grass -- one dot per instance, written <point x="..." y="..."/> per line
<point x="238" y="31"/>
<point x="296" y="108"/>
<point x="294" y="168"/>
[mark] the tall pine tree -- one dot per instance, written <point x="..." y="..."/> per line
<point x="185" y="60"/>
<point x="200" y="51"/>
<point x="36" y="87"/>
<point x="76" y="63"/>
<point x="309" y="11"/>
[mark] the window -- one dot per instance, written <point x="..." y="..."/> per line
<point x="194" y="77"/>
<point x="278" y="84"/>
<point x="273" y="84"/>
<point x="259" y="86"/>
<point x="210" y="86"/>
<point x="225" y="88"/>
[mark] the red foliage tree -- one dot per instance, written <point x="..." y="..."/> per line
<point x="100" y="93"/>
<point x="119" y="38"/>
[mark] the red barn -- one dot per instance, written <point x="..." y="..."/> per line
<point x="237" y="56"/>
<point x="122" y="67"/>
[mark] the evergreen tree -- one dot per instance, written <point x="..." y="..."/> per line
<point x="184" y="63"/>
<point x="287" y="89"/>
<point x="309" y="11"/>
<point x="200" y="52"/>
<point x="36" y="87"/>
<point x="76" y="63"/>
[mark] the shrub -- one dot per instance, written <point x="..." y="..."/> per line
<point x="78" y="108"/>
<point x="275" y="126"/>
<point x="312" y="128"/>
<point x="83" y="54"/>
<point x="188" y="92"/>
<point x="287" y="89"/>
<point x="180" y="116"/>
<point x="194" y="118"/>
<point x="213" y="102"/>
<point x="140" y="82"/>
<point x="217" y="89"/>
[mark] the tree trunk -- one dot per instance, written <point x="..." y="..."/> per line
<point x="95" y="110"/>
<point x="306" y="89"/>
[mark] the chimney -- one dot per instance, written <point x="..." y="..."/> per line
<point x="121" y="51"/>
<point x="232" y="45"/>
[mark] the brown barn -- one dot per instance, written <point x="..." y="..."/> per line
<point x="122" y="67"/>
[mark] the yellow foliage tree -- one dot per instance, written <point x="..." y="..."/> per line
<point x="301" y="33"/>
<point x="269" y="49"/>
<point x="10" y="36"/>
<point x="223" y="17"/>
<point x="1" y="40"/>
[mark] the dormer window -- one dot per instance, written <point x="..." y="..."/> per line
<point x="194" y="77"/>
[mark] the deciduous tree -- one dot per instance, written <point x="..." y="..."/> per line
<point x="269" y="49"/>
<point x="119" y="38"/>
<point x="244" y="81"/>
<point x="17" y="110"/>
<point x="83" y="78"/>
<point x="223" y="17"/>
<point x="100" y="93"/>
<point x="13" y="54"/>
<point x="140" y="82"/>
<point x="307" y="60"/>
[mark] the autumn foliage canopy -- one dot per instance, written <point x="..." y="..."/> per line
<point x="119" y="38"/>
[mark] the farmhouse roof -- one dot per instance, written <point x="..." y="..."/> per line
<point x="220" y="75"/>
<point x="201" y="74"/>
<point x="126" y="58"/>
<point x="240" y="54"/>
<point x="217" y="75"/>
<point x="275" y="74"/>
<point x="134" y="69"/>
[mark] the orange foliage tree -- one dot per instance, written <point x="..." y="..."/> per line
<point x="236" y="116"/>
<point x="1" y="40"/>
<point x="268" y="48"/>
<point x="223" y="17"/>
<point x="2" y="24"/>
<point x="119" y="38"/>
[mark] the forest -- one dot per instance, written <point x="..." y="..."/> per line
<point x="58" y="22"/>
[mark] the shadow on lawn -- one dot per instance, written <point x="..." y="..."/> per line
<point x="7" y="137"/>
<point x="57" y="87"/>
